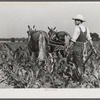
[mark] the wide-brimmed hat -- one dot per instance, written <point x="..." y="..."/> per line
<point x="79" y="17"/>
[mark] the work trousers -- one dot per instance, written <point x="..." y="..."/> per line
<point x="78" y="58"/>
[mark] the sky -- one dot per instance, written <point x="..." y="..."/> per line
<point x="16" y="16"/>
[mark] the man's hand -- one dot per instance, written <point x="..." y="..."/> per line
<point x="70" y="47"/>
<point x="91" y="44"/>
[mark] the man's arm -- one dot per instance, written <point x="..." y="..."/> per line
<point x="92" y="47"/>
<point x="90" y="40"/>
<point x="75" y="36"/>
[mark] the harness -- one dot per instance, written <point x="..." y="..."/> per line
<point x="59" y="45"/>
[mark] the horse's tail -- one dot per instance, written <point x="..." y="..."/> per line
<point x="42" y="47"/>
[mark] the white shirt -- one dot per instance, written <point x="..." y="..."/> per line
<point x="77" y="32"/>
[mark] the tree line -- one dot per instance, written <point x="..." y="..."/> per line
<point x="13" y="39"/>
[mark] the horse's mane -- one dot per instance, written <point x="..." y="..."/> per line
<point x="65" y="33"/>
<point x="35" y="31"/>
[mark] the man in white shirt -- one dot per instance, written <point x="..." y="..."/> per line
<point x="80" y="37"/>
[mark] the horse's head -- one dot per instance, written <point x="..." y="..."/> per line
<point x="30" y="31"/>
<point x="52" y="33"/>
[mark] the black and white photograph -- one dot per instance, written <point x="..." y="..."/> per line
<point x="49" y="45"/>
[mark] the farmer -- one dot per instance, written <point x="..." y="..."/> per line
<point x="78" y="43"/>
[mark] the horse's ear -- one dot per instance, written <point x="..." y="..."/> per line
<point x="54" y="28"/>
<point x="33" y="26"/>
<point x="28" y="26"/>
<point x="49" y="28"/>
